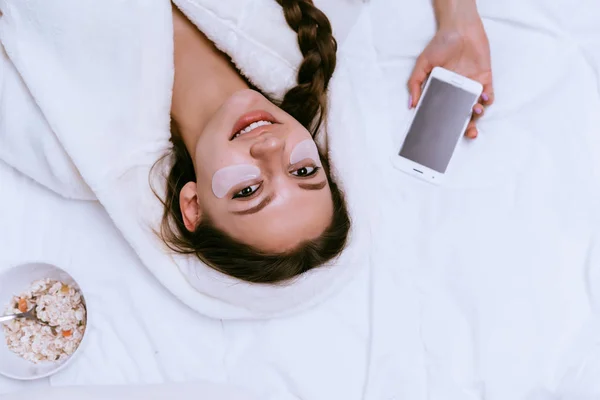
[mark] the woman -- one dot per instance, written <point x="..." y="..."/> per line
<point x="249" y="193"/>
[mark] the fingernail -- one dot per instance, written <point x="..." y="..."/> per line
<point x="478" y="110"/>
<point x="409" y="102"/>
<point x="485" y="97"/>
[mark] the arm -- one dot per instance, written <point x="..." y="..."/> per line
<point x="461" y="45"/>
<point x="450" y="13"/>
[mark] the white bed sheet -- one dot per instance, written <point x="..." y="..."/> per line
<point x="444" y="314"/>
<point x="129" y="310"/>
<point x="140" y="333"/>
<point x="504" y="259"/>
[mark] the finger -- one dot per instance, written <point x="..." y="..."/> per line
<point x="471" y="131"/>
<point x="487" y="97"/>
<point x="478" y="111"/>
<point x="420" y="73"/>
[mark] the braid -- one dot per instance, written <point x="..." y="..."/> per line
<point x="307" y="101"/>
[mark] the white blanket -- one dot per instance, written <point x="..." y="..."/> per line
<point x="487" y="288"/>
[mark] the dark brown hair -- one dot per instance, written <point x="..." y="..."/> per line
<point x="307" y="103"/>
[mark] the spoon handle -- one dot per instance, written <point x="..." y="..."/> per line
<point x="7" y="318"/>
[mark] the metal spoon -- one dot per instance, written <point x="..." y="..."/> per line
<point x="31" y="314"/>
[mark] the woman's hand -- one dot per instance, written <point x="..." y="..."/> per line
<point x="461" y="47"/>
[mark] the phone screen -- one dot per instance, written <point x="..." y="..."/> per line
<point x="437" y="125"/>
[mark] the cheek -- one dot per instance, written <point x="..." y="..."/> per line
<point x="211" y="154"/>
<point x="204" y="169"/>
<point x="296" y="133"/>
<point x="210" y="207"/>
<point x="205" y="165"/>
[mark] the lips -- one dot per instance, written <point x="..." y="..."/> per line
<point x="249" y="118"/>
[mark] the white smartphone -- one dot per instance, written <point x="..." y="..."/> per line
<point x="439" y="121"/>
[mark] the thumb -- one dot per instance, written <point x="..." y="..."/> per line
<point x="420" y="73"/>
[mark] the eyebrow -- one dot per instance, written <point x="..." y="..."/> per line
<point x="256" y="208"/>
<point x="312" y="186"/>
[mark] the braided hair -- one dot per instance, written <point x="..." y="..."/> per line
<point x="307" y="101"/>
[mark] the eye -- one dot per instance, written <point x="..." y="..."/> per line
<point x="305" y="171"/>
<point x="247" y="191"/>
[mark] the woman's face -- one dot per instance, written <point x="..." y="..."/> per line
<point x="259" y="176"/>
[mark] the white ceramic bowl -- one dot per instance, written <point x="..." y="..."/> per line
<point x="12" y="282"/>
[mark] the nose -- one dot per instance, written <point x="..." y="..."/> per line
<point x="266" y="146"/>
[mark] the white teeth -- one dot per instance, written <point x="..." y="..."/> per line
<point x="252" y="127"/>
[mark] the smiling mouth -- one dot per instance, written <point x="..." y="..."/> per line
<point x="251" y="123"/>
<point x="251" y="127"/>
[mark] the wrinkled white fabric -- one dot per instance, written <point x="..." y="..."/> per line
<point x="484" y="288"/>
